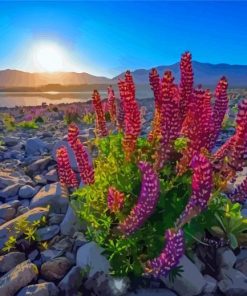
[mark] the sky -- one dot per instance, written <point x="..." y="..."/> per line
<point x="107" y="38"/>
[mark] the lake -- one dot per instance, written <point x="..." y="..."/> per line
<point x="12" y="99"/>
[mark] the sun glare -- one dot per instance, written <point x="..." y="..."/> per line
<point x="49" y="57"/>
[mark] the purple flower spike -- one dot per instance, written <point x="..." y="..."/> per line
<point x="147" y="200"/>
<point x="239" y="194"/>
<point x="170" y="255"/>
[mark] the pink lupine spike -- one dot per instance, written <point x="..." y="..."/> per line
<point x="82" y="158"/>
<point x="170" y="255"/>
<point x="186" y="85"/>
<point x="146" y="203"/>
<point x="115" y="200"/>
<point x="239" y="194"/>
<point x="66" y="174"/>
<point x="100" y="115"/>
<point x="225" y="148"/>
<point x="73" y="133"/>
<point x="201" y="189"/>
<point x="112" y="104"/>
<point x="220" y="108"/>
<point x="132" y="117"/>
<point x="120" y="116"/>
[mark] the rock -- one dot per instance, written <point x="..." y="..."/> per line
<point x="51" y="254"/>
<point x="38" y="166"/>
<point x="111" y="286"/>
<point x="244" y="212"/>
<point x="70" y="284"/>
<point x="7" y="212"/>
<point x="11" y="141"/>
<point x="233" y="282"/>
<point x="55" y="269"/>
<point x="80" y="240"/>
<point x="35" y="146"/>
<point x="44" y="289"/>
<point x="40" y="179"/>
<point x="152" y="292"/>
<point x="33" y="255"/>
<point x="211" y="284"/>
<point x="21" y="210"/>
<point x="27" y="191"/>
<point x="56" y="218"/>
<point x="10" y="191"/>
<point x="89" y="256"/>
<point x="10" y="260"/>
<point x="241" y="265"/>
<point x="198" y="263"/>
<point x="191" y="281"/>
<point x="2" y="221"/>
<point x="48" y="232"/>
<point x="52" y="176"/>
<point x="51" y="195"/>
<point x="8" y="229"/>
<point x="225" y="257"/>
<point x="70" y="223"/>
<point x="17" y="278"/>
<point x="65" y="244"/>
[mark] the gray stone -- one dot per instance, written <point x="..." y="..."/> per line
<point x="50" y="254"/>
<point x="10" y="260"/>
<point x="80" y="240"/>
<point x="191" y="281"/>
<point x="152" y="292"/>
<point x="55" y="218"/>
<point x="35" y="146"/>
<point x="38" y="166"/>
<point x="55" y="269"/>
<point x="90" y="256"/>
<point x="10" y="191"/>
<point x="233" y="282"/>
<point x="111" y="286"/>
<point x="21" y="210"/>
<point x="244" y="212"/>
<point x="225" y="257"/>
<point x="33" y="255"/>
<point x="70" y="284"/>
<point x="40" y="179"/>
<point x="43" y="289"/>
<point x="70" y="223"/>
<point x="11" y="141"/>
<point x="51" y="195"/>
<point x="65" y="244"/>
<point x="241" y="265"/>
<point x="7" y="212"/>
<point x="48" y="232"/>
<point x="8" y="228"/>
<point x="52" y="176"/>
<point x="211" y="284"/>
<point x="17" y="278"/>
<point x="27" y="191"/>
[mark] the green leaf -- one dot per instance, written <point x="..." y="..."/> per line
<point x="233" y="241"/>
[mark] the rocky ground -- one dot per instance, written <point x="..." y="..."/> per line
<point x="68" y="264"/>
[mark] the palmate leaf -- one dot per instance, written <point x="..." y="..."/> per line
<point x="175" y="272"/>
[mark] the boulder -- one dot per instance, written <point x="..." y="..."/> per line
<point x="241" y="265"/>
<point x="152" y="292"/>
<point x="11" y="141"/>
<point x="52" y="176"/>
<point x="10" y="191"/>
<point x="10" y="260"/>
<point x="43" y="289"/>
<point x="47" y="232"/>
<point x="191" y="281"/>
<point x="70" y="284"/>
<point x="27" y="191"/>
<point x="35" y="146"/>
<point x="38" y="166"/>
<point x="55" y="269"/>
<point x="51" y="195"/>
<point x="89" y="256"/>
<point x="7" y="212"/>
<point x="211" y="284"/>
<point x="17" y="278"/>
<point x="70" y="223"/>
<point x="225" y="257"/>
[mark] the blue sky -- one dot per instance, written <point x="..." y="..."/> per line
<point x="106" y="38"/>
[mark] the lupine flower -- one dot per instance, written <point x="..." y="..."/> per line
<point x="132" y="118"/>
<point x="155" y="83"/>
<point x="112" y="104"/>
<point x="146" y="203"/>
<point x="100" y="115"/>
<point x="186" y="85"/>
<point x="170" y="122"/>
<point x="120" y="116"/>
<point x="82" y="158"/>
<point x="220" y="108"/>
<point x="67" y="176"/>
<point x="115" y="200"/>
<point x="201" y="188"/>
<point x="239" y="194"/>
<point x="170" y="255"/>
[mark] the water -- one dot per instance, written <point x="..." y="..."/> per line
<point x="36" y="99"/>
<point x="12" y="99"/>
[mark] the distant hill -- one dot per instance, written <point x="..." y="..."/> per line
<point x="205" y="74"/>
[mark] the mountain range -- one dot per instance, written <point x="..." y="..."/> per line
<point x="205" y="73"/>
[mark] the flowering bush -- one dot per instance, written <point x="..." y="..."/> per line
<point x="147" y="201"/>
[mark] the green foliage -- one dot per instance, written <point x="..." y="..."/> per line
<point x="8" y="122"/>
<point x="71" y="117"/>
<point x="181" y="144"/>
<point x="89" y="118"/>
<point x="27" y="125"/>
<point x="227" y="123"/>
<point x="39" y="119"/>
<point x="230" y="224"/>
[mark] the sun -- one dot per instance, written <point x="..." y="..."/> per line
<point x="49" y="57"/>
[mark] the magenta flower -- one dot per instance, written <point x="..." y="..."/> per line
<point x="170" y="255"/>
<point x="239" y="194"/>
